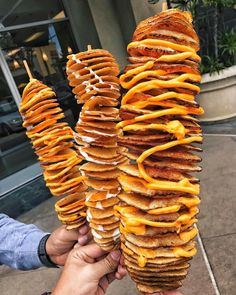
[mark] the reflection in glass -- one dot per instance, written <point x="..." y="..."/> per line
<point x="45" y="48"/>
<point x="15" y="150"/>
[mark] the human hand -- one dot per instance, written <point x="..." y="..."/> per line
<point x="89" y="270"/>
<point x="62" y="241"/>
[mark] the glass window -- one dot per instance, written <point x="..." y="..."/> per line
<point x="15" y="12"/>
<point x="15" y="150"/>
<point x="45" y="48"/>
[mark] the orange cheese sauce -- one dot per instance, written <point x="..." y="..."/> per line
<point x="154" y="43"/>
<point x="128" y="214"/>
<point x="139" y="81"/>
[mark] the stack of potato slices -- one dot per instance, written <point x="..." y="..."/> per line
<point x="93" y="76"/>
<point x="160" y="196"/>
<point x="52" y="142"/>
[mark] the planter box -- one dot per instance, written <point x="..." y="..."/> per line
<point x="218" y="95"/>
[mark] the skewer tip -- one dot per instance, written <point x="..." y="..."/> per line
<point x="89" y="47"/>
<point x="28" y="69"/>
<point x="164" y="6"/>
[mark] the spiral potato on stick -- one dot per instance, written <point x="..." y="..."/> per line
<point x="52" y="142"/>
<point x="93" y="76"/>
<point x="159" y="128"/>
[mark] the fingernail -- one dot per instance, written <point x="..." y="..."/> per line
<point x="115" y="255"/>
<point x="83" y="240"/>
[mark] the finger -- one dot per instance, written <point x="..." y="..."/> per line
<point x="92" y="251"/>
<point x="68" y="235"/>
<point x="83" y="230"/>
<point x="121" y="272"/>
<point x="90" y="236"/>
<point x="107" y="265"/>
<point x="83" y="240"/>
<point x="111" y="277"/>
<point x="86" y="254"/>
<point x="104" y="283"/>
<point x="118" y="276"/>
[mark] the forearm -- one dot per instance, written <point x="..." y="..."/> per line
<point x="19" y="244"/>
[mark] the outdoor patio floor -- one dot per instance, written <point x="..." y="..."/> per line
<point x="213" y="270"/>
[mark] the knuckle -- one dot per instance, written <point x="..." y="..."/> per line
<point x="108" y="264"/>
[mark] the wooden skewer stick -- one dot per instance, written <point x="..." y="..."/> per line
<point x="89" y="47"/>
<point x="164" y="6"/>
<point x="27" y="69"/>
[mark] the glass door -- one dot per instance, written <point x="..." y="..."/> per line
<point x="39" y="32"/>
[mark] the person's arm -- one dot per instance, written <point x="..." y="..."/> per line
<point x="19" y="244"/>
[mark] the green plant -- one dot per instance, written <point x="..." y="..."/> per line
<point x="227" y="44"/>
<point x="222" y="3"/>
<point x="211" y="65"/>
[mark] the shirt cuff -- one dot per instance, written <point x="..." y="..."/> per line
<point x="29" y="259"/>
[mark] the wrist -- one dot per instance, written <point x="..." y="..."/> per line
<point x="49" y="248"/>
<point x="43" y="255"/>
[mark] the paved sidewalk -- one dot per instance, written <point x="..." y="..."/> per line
<point x="213" y="270"/>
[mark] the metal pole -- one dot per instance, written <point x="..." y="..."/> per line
<point x="10" y="11"/>
<point x="34" y="24"/>
<point x="9" y="78"/>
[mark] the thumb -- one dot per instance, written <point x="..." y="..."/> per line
<point x="107" y="265"/>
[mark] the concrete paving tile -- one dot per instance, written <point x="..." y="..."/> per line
<point x="44" y="216"/>
<point x="218" y="187"/>
<point x="222" y="257"/>
<point x="5" y="271"/>
<point x="219" y="157"/>
<point x="29" y="282"/>
<point x="197" y="281"/>
<point x="218" y="207"/>
<point x="124" y="287"/>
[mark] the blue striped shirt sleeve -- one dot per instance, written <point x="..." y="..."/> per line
<point x="19" y="244"/>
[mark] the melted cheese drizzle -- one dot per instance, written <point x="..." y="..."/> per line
<point x="137" y="82"/>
